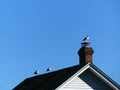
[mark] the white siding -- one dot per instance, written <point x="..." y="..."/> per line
<point x="77" y="84"/>
<point x="86" y="81"/>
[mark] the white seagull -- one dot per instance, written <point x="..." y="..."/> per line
<point x="86" y="39"/>
<point x="37" y="72"/>
<point x="48" y="69"/>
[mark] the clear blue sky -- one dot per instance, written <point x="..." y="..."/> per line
<point x="35" y="34"/>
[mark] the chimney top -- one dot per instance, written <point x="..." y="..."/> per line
<point x="85" y="52"/>
<point x="85" y="44"/>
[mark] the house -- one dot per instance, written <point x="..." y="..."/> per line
<point x="84" y="76"/>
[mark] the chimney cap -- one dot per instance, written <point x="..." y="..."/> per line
<point x="84" y="44"/>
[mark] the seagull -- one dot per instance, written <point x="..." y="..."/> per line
<point x="37" y="72"/>
<point x="86" y="39"/>
<point x="48" y="69"/>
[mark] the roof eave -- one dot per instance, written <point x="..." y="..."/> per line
<point x="104" y="77"/>
<point x="97" y="72"/>
<point x="72" y="77"/>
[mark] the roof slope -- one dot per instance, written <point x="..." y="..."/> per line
<point x="57" y="79"/>
<point x="48" y="81"/>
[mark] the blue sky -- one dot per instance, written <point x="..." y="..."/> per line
<point x="35" y="34"/>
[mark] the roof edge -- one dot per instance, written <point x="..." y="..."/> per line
<point x="104" y="77"/>
<point x="73" y="76"/>
<point x="97" y="72"/>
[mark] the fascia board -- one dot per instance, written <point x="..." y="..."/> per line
<point x="74" y="76"/>
<point x="103" y="78"/>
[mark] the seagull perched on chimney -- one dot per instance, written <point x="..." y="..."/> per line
<point x="37" y="72"/>
<point x="86" y="39"/>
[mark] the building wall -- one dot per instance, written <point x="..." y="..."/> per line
<point x="86" y="81"/>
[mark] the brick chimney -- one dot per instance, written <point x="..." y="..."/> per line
<point x="85" y="53"/>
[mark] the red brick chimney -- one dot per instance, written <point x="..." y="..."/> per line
<point x="85" y="53"/>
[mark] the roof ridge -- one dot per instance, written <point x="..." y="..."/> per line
<point x="56" y="70"/>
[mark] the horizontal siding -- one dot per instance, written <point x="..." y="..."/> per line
<point x="86" y="81"/>
<point x="77" y="84"/>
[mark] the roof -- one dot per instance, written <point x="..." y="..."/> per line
<point x="57" y="79"/>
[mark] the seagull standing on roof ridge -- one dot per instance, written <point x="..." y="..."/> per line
<point x="86" y="39"/>
<point x="48" y="69"/>
<point x="37" y="72"/>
